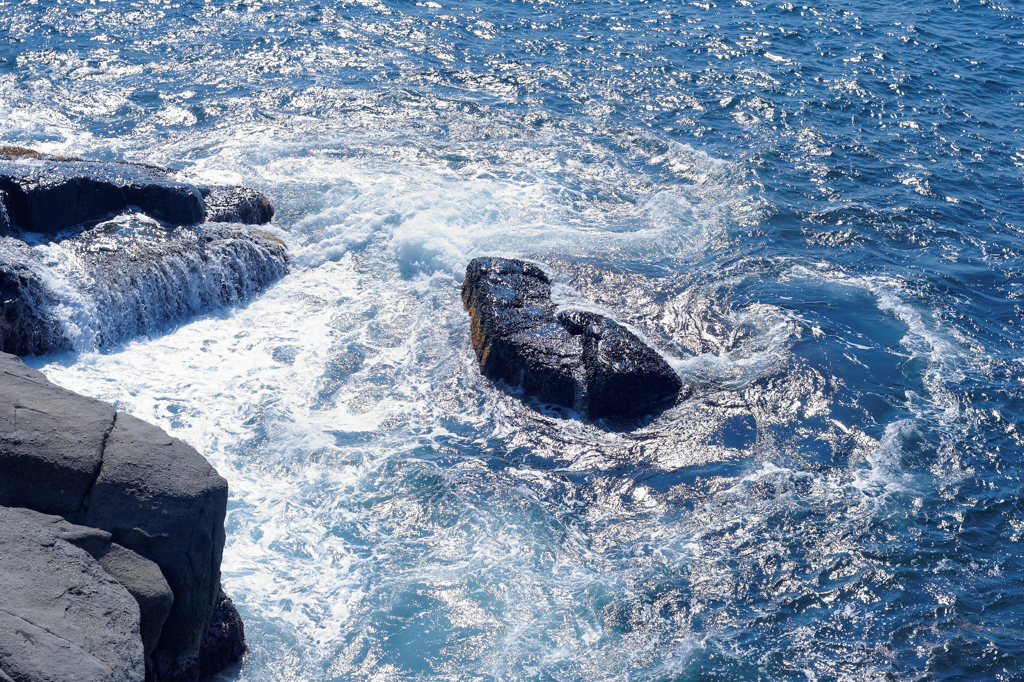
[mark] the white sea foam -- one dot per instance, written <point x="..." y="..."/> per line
<point x="328" y="400"/>
<point x="305" y="396"/>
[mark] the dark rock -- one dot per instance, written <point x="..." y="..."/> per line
<point x="224" y="641"/>
<point x="140" y="576"/>
<point x="26" y="328"/>
<point x="140" y="276"/>
<point x="618" y="368"/>
<point x="514" y="331"/>
<point x="572" y="358"/>
<point x="144" y="581"/>
<point x="5" y="217"/>
<point x="139" y="273"/>
<point x="46" y="196"/>
<point x="236" y="205"/>
<point x="147" y="279"/>
<point x="62" y="617"/>
<point x="51" y="442"/>
<point x="159" y="497"/>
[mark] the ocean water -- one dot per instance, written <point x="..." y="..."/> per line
<point x="814" y="211"/>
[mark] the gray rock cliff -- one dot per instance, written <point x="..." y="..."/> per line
<point x="62" y="617"/>
<point x="140" y="576"/>
<point x="149" y="507"/>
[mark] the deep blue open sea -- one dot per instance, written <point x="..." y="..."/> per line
<point x="815" y="211"/>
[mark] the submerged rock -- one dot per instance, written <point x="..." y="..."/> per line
<point x="573" y="358"/>
<point x="62" y="617"/>
<point x="149" y="507"/>
<point x="127" y="277"/>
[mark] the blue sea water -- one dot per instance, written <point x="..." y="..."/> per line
<point x="815" y="211"/>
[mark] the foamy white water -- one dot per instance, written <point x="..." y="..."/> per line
<point x="809" y="211"/>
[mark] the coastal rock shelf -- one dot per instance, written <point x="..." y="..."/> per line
<point x="574" y="358"/>
<point x="92" y="253"/>
<point x="122" y="516"/>
<point x="45" y="194"/>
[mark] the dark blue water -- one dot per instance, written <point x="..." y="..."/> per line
<point x="816" y="212"/>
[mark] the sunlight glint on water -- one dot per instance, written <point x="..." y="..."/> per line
<point x="813" y="212"/>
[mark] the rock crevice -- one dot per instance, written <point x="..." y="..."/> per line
<point x="83" y="508"/>
<point x="147" y="507"/>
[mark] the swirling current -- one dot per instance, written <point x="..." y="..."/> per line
<point x="815" y="211"/>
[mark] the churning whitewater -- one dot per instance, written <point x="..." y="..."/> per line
<point x="813" y="212"/>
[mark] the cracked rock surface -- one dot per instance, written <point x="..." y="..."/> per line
<point x="51" y="442"/>
<point x="140" y="576"/>
<point x="156" y="501"/>
<point x="62" y="617"/>
<point x="575" y="358"/>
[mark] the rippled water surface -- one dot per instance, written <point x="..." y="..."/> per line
<point x="816" y="212"/>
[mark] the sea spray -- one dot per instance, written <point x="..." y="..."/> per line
<point x="130" y="276"/>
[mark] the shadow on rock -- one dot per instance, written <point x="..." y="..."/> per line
<point x="93" y="253"/>
<point x="577" y="359"/>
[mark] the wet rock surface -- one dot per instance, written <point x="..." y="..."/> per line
<point x="224" y="640"/>
<point x="26" y="325"/>
<point x="148" y="507"/>
<point x="127" y="277"/>
<point x="45" y="194"/>
<point x="95" y="252"/>
<point x="62" y="617"/>
<point x="236" y="205"/>
<point x="574" y="358"/>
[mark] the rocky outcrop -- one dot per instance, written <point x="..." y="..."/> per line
<point x="160" y="498"/>
<point x="574" y="358"/>
<point x="149" y="505"/>
<point x="45" y="194"/>
<point x="236" y="205"/>
<point x="140" y="576"/>
<point x="5" y="218"/>
<point x="152" y="264"/>
<point x="62" y="617"/>
<point x="127" y="254"/>
<point x="51" y="442"/>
